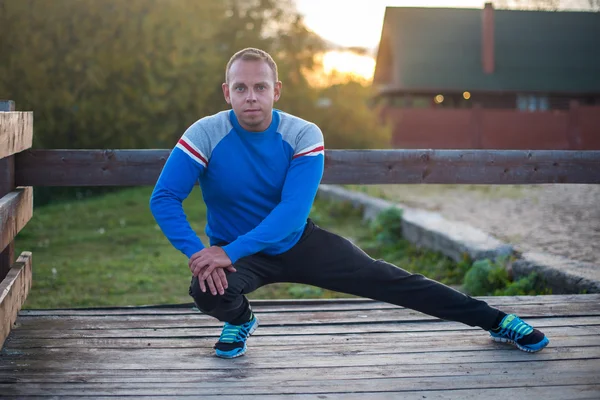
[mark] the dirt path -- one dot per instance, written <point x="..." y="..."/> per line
<point x="559" y="219"/>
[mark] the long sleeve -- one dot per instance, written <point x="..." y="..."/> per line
<point x="175" y="183"/>
<point x="298" y="194"/>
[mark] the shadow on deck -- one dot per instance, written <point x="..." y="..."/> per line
<point x="317" y="349"/>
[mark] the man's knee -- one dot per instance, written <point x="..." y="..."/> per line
<point x="223" y="307"/>
<point x="205" y="301"/>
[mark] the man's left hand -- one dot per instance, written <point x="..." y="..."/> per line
<point x="204" y="262"/>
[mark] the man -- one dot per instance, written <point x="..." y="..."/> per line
<point x="259" y="170"/>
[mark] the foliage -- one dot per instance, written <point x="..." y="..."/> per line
<point x="386" y="228"/>
<point x="484" y="277"/>
<point x="479" y="278"/>
<point x="491" y="278"/>
<point x="325" y="212"/>
<point x="351" y="121"/>
<point x="383" y="240"/>
<point x="137" y="73"/>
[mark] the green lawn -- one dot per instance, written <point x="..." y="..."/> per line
<point x="108" y="251"/>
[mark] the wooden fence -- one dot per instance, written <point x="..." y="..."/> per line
<point x="22" y="168"/>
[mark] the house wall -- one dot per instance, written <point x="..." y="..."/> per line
<point x="588" y="122"/>
<point x="576" y="128"/>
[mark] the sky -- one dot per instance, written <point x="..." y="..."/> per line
<point x="357" y="23"/>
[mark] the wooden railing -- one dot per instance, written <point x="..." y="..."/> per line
<point x="22" y="168"/>
<point x="16" y="209"/>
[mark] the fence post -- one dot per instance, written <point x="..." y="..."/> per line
<point x="7" y="185"/>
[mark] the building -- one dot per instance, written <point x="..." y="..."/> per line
<point x="504" y="79"/>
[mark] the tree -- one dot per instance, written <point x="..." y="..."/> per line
<point x="136" y="73"/>
<point x="348" y="120"/>
<point x="105" y="73"/>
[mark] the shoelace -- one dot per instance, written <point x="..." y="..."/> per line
<point x="231" y="333"/>
<point x="516" y="329"/>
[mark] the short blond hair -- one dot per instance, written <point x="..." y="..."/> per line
<point x="252" y="54"/>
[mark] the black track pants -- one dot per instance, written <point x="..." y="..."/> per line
<point x="329" y="261"/>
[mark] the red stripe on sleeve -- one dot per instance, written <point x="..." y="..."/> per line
<point x="191" y="150"/>
<point x="316" y="149"/>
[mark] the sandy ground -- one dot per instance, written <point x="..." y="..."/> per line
<point x="559" y="219"/>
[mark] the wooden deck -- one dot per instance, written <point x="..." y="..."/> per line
<point x="352" y="349"/>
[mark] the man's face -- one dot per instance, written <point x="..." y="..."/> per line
<point x="251" y="91"/>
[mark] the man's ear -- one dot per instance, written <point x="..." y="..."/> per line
<point x="225" y="88"/>
<point x="277" y="90"/>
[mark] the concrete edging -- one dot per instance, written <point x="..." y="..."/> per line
<point x="452" y="238"/>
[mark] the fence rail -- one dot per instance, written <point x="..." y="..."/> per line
<point x="142" y="167"/>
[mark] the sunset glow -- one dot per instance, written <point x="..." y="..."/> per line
<point x="348" y="63"/>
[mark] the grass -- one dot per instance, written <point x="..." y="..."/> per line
<point x="384" y="240"/>
<point x="108" y="251"/>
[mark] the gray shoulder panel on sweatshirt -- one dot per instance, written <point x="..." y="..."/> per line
<point x="303" y="136"/>
<point x="201" y="138"/>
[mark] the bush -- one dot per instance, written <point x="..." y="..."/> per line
<point x="384" y="240"/>
<point x="386" y="228"/>
<point x="490" y="278"/>
<point x="485" y="277"/>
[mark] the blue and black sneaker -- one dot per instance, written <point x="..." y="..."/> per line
<point x="232" y="342"/>
<point x="513" y="330"/>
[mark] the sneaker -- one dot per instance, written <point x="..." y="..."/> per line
<point x="232" y="342"/>
<point x="513" y="330"/>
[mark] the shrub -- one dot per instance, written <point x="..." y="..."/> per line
<point x="485" y="277"/>
<point x="386" y="228"/>
<point x="490" y="278"/>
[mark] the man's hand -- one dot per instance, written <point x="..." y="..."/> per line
<point x="208" y="265"/>
<point x="216" y="282"/>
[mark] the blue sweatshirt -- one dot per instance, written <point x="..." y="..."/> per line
<point x="258" y="187"/>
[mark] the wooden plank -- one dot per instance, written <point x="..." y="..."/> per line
<point x="307" y="334"/>
<point x="203" y="358"/>
<point x="16" y="209"/>
<point x="13" y="292"/>
<point x="177" y="357"/>
<point x="291" y="319"/>
<point x="572" y="392"/>
<point x="318" y="386"/>
<point x="264" y="373"/>
<point x="304" y="305"/>
<point x="563" y="335"/>
<point x="89" y="167"/>
<point x="7" y="184"/>
<point x="290" y="330"/>
<point x="462" y="166"/>
<point x="326" y="345"/>
<point x="16" y="132"/>
<point x="511" y="377"/>
<point x="142" y="167"/>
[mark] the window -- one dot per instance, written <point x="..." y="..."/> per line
<point x="531" y="102"/>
